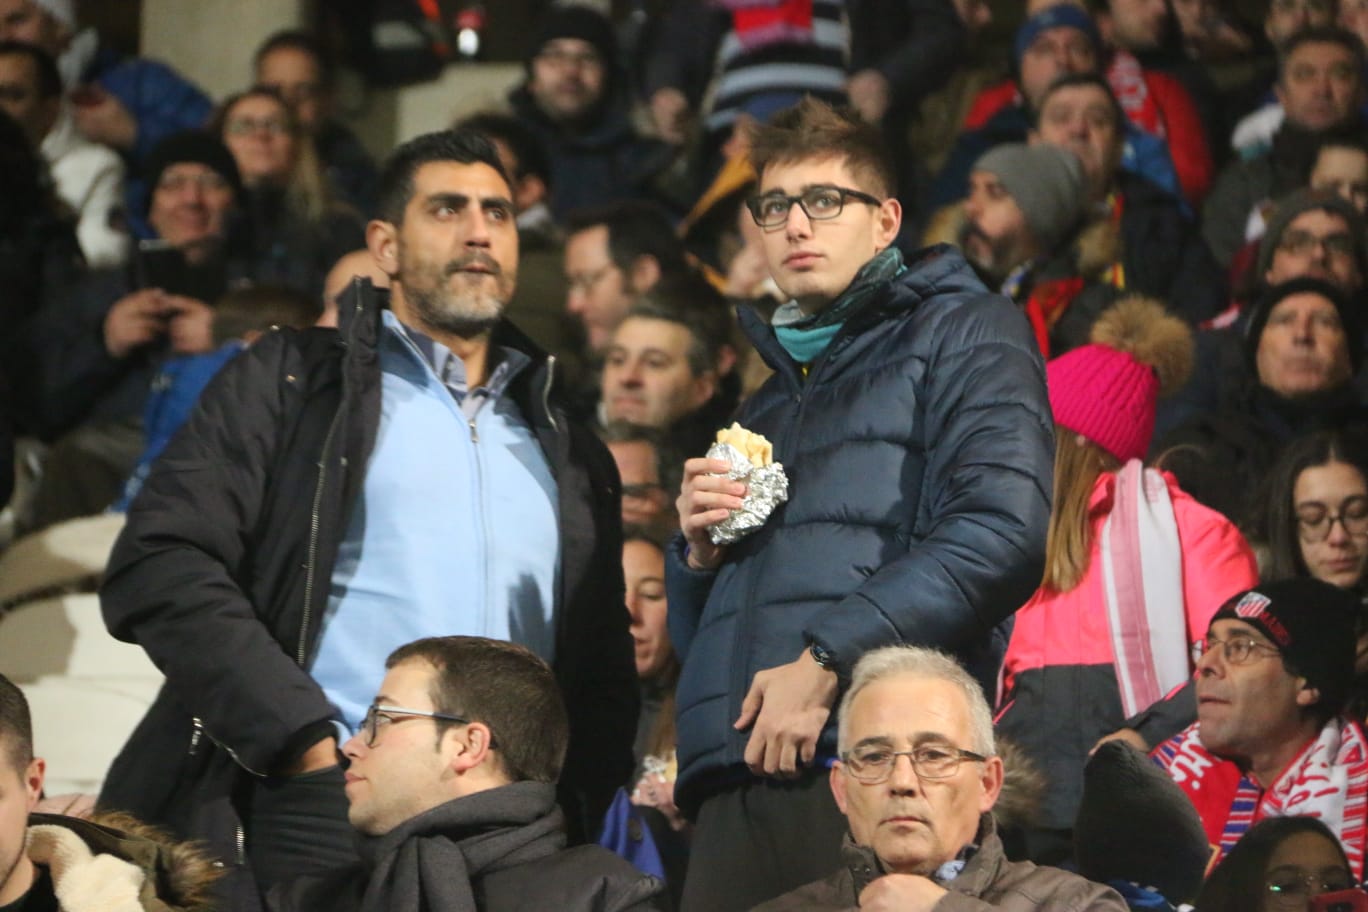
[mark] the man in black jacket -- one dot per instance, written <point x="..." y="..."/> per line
<point x="908" y="408"/>
<point x="337" y="493"/>
<point x="465" y="820"/>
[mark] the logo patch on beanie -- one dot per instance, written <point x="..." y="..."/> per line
<point x="1254" y="607"/>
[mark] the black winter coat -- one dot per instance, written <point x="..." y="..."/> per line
<point x="919" y="451"/>
<point x="222" y="574"/>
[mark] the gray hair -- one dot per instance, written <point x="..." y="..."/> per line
<point x="918" y="661"/>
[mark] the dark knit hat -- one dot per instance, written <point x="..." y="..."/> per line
<point x="1348" y="311"/>
<point x="577" y="22"/>
<point x="1108" y="390"/>
<point x="1308" y="200"/>
<point x="1135" y="825"/>
<point x="1313" y="625"/>
<point x="1063" y="15"/>
<point x="196" y="146"/>
<point x="1047" y="183"/>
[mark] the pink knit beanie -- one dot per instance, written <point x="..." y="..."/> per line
<point x="1107" y="390"/>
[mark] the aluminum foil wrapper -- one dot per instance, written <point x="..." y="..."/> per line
<point x="768" y="488"/>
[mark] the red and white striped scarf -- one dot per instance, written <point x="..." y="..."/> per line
<point x="1328" y="780"/>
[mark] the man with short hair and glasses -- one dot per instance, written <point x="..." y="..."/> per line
<point x="908" y="408"/>
<point x="451" y="782"/>
<point x="921" y="832"/>
<point x="1271" y="739"/>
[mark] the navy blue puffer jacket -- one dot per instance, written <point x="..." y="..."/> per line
<point x="919" y="451"/>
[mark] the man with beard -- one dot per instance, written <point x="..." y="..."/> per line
<point x="340" y="492"/>
<point x="1018" y="225"/>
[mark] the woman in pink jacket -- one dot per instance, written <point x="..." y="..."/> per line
<point x="1134" y="567"/>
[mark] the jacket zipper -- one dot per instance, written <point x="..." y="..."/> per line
<point x="546" y="392"/>
<point x="315" y="514"/>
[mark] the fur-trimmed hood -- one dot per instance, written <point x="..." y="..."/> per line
<point x="1093" y="250"/>
<point x="113" y="863"/>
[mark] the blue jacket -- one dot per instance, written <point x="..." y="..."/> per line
<point x="919" y="451"/>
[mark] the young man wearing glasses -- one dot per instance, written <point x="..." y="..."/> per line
<point x="1270" y="738"/>
<point x="908" y="408"/>
<point x="451" y="782"/>
<point x="922" y="833"/>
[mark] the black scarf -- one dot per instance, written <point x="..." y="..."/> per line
<point x="430" y="861"/>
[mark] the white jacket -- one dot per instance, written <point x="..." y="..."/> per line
<point x="89" y="178"/>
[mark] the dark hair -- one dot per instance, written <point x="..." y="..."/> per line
<point x="814" y="129"/>
<point x="1237" y="883"/>
<point x="635" y="229"/>
<point x="1073" y="80"/>
<point x="506" y="687"/>
<point x="669" y="462"/>
<point x="44" y="65"/>
<point x="16" y="725"/>
<point x="692" y="302"/>
<point x="1322" y="34"/>
<point x="259" y="307"/>
<point x="463" y="146"/>
<point x="1277" y="523"/>
<point x="526" y="147"/>
<point x="305" y="42"/>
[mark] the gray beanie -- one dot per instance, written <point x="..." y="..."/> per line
<point x="1047" y="184"/>
<point x="1308" y="200"/>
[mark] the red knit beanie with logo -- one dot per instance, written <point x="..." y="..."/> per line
<point x="1107" y="390"/>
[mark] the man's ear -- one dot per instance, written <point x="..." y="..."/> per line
<point x="887" y="222"/>
<point x="645" y="273"/>
<point x="472" y="745"/>
<point x="990" y="780"/>
<point x="1306" y="694"/>
<point x="837" y="779"/>
<point x="702" y="388"/>
<point x="382" y="240"/>
<point x="33" y="781"/>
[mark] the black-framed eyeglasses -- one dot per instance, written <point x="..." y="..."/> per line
<point x="643" y="491"/>
<point x="1239" y="650"/>
<point x="379" y="717"/>
<point x="1300" y="243"/>
<point x="873" y="764"/>
<point x="1290" y="890"/>
<point x="1314" y="520"/>
<point x="770" y="210"/>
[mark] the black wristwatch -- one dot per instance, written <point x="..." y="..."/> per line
<point x="823" y="656"/>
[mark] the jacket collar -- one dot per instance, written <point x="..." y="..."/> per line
<point x="981" y="870"/>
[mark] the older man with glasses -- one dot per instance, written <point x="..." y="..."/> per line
<point x="451" y="782"/>
<point x="922" y="833"/>
<point x="1271" y="738"/>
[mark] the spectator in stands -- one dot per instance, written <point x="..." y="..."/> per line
<point x="576" y="100"/>
<point x="525" y="546"/>
<point x="538" y="306"/>
<point x="1019" y="228"/>
<point x="666" y="364"/>
<point x="296" y="229"/>
<point x="53" y="862"/>
<point x="1280" y="863"/>
<point x="1110" y="571"/>
<point x="922" y="833"/>
<point x="466" y="820"/>
<point x="1160" y="251"/>
<point x="294" y="64"/>
<point x="88" y="178"/>
<point x="1342" y="167"/>
<point x="89" y="356"/>
<point x="1320" y="86"/>
<point x="1271" y="684"/>
<point x="648" y="473"/>
<point x="871" y="554"/>
<point x="126" y="103"/>
<point x="1302" y="348"/>
<point x="613" y="255"/>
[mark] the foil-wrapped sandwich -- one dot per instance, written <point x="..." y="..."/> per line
<point x="751" y="457"/>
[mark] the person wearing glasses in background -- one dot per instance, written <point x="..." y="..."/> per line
<point x="1280" y="865"/>
<point x="908" y="407"/>
<point x="451" y="783"/>
<point x="1270" y="739"/>
<point x="922" y="832"/>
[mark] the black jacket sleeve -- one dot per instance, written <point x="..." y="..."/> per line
<point x="175" y="583"/>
